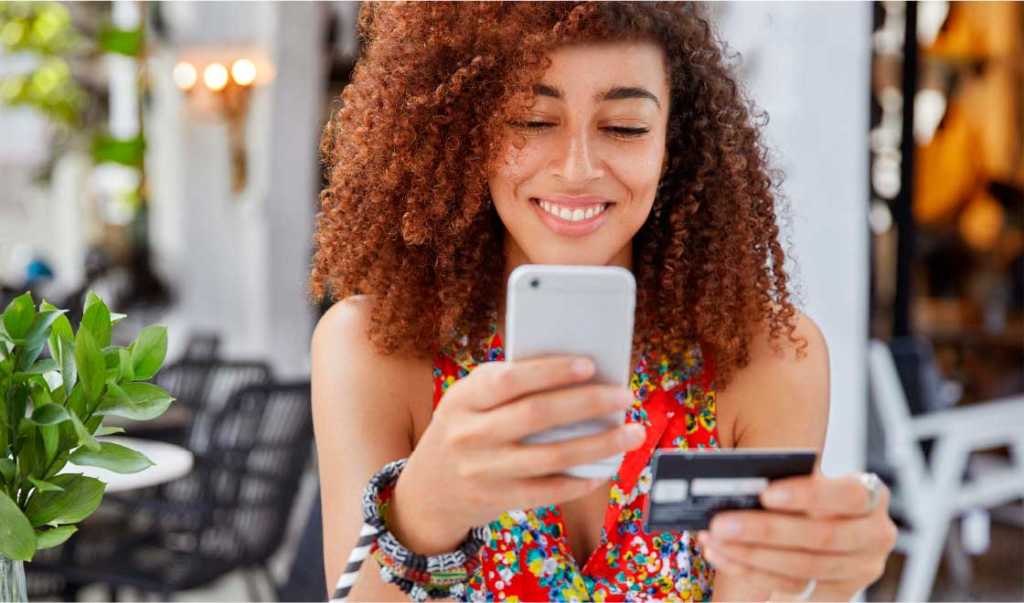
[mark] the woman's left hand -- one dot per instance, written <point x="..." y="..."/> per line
<point x="820" y="528"/>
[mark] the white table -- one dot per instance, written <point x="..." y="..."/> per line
<point x="169" y="463"/>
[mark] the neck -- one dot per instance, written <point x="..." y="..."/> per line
<point x="515" y="257"/>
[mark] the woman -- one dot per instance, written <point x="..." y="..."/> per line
<point x="478" y="137"/>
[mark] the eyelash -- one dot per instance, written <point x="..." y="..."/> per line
<point x="625" y="132"/>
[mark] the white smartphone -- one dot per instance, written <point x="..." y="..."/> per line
<point x="575" y="310"/>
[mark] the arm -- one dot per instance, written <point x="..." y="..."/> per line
<point x="361" y="421"/>
<point x="783" y="402"/>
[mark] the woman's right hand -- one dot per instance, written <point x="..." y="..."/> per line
<point x="470" y="466"/>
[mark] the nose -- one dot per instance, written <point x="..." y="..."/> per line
<point x="578" y="162"/>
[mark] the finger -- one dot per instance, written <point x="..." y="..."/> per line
<point x="540" y="411"/>
<point x="510" y="380"/>
<point x="793" y="563"/>
<point x="552" y="489"/>
<point x="532" y="460"/>
<point x="785" y="530"/>
<point x="818" y="495"/>
<point x="753" y="576"/>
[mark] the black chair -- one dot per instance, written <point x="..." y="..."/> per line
<point x="202" y="346"/>
<point x="229" y="514"/>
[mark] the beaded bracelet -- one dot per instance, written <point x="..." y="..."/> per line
<point x="421" y="576"/>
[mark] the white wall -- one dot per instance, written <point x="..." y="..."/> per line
<point x="239" y="262"/>
<point x="807" y="65"/>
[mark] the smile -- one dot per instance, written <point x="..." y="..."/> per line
<point x="571" y="219"/>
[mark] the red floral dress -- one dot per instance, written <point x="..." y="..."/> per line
<point x="528" y="558"/>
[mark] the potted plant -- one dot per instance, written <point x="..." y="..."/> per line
<point x="52" y="408"/>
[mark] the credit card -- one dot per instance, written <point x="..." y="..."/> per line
<point x="690" y="486"/>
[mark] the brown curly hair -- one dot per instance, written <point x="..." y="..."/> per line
<point x="407" y="214"/>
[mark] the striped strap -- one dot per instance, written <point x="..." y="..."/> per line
<point x="367" y="535"/>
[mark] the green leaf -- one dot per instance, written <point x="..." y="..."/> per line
<point x="115" y="317"/>
<point x="97" y="320"/>
<point x="114" y="457"/>
<point x="30" y="455"/>
<point x="106" y="430"/>
<point x="68" y="369"/>
<point x="7" y="469"/>
<point x="17" y="406"/>
<point x="49" y="414"/>
<point x="91" y="369"/>
<point x="76" y="401"/>
<point x="57" y="464"/>
<point x="46" y="539"/>
<point x="148" y="351"/>
<point x="79" y="499"/>
<point x="40" y="394"/>
<point x="51" y="440"/>
<point x="35" y="339"/>
<point x="126" y="151"/>
<point x="43" y="366"/>
<point x="136" y="401"/>
<point x="90" y="299"/>
<point x="17" y="539"/>
<point x="19" y="315"/>
<point x="126" y="372"/>
<point x="84" y="437"/>
<point x="121" y="41"/>
<point x="60" y="328"/>
<point x="44" y="486"/>
<point x="4" y="430"/>
<point x="41" y="326"/>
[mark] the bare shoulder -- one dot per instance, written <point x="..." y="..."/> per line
<point x="344" y="357"/>
<point x="781" y="398"/>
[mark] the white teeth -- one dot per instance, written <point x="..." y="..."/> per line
<point x="571" y="215"/>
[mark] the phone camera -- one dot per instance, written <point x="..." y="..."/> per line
<point x="535" y="283"/>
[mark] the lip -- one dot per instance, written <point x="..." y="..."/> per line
<point x="571" y="229"/>
<point x="574" y="201"/>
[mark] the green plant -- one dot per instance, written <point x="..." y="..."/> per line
<point x="52" y="410"/>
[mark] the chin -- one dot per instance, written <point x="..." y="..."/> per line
<point x="558" y="255"/>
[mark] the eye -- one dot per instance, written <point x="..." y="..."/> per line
<point x="532" y="125"/>
<point x="629" y="132"/>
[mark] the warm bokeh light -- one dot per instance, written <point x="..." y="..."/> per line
<point x="215" y="76"/>
<point x="243" y="71"/>
<point x="981" y="222"/>
<point x="185" y="75"/>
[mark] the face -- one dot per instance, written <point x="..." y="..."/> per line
<point x="584" y="182"/>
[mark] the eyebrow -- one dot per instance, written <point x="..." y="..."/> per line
<point x="613" y="93"/>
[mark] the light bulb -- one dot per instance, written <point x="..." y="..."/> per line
<point x="185" y="75"/>
<point x="215" y="76"/>
<point x="243" y="71"/>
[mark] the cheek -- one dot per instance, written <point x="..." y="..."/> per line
<point x="516" y="169"/>
<point x="639" y="174"/>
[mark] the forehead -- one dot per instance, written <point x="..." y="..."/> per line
<point x="584" y="67"/>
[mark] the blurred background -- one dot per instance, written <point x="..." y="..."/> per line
<point x="165" y="155"/>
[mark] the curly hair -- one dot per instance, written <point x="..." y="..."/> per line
<point x="407" y="215"/>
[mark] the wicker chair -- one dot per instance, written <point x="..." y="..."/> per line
<point x="230" y="513"/>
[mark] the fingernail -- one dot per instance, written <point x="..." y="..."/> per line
<point x="711" y="556"/>
<point x="726" y="527"/>
<point x="777" y="496"/>
<point x="635" y="433"/>
<point x="582" y="366"/>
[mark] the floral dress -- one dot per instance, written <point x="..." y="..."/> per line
<point x="528" y="558"/>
